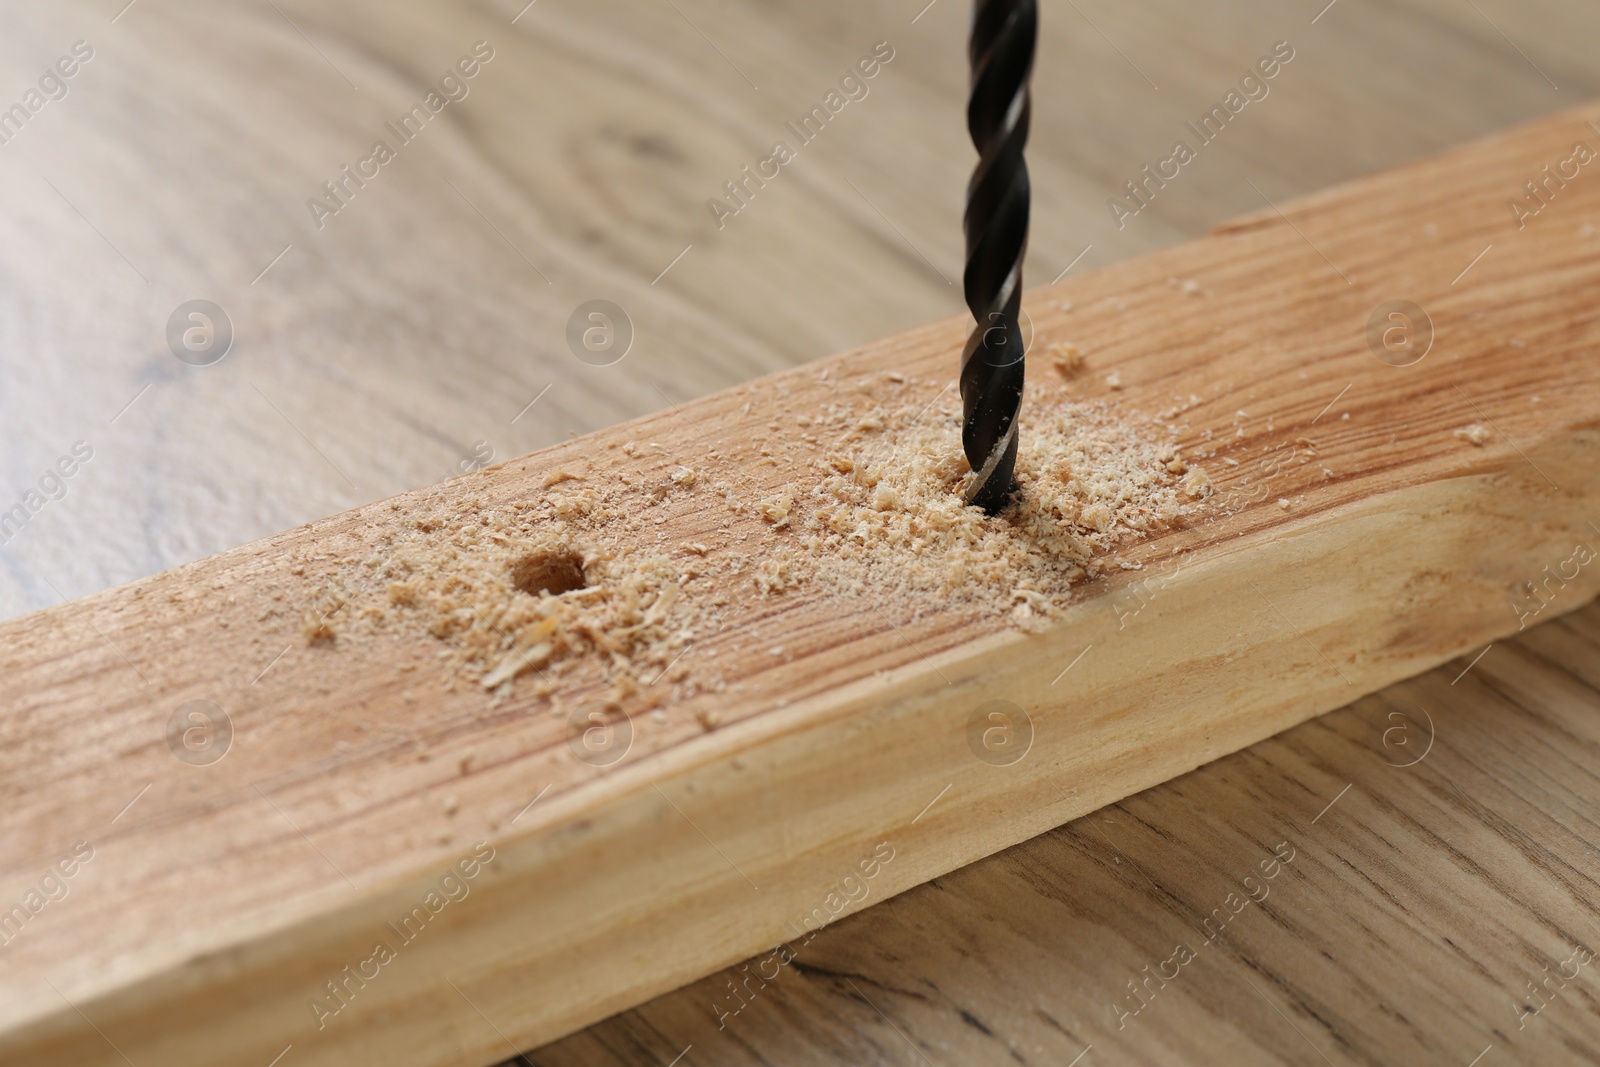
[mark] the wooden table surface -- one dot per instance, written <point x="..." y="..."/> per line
<point x="423" y="329"/>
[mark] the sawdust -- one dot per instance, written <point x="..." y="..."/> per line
<point x="1066" y="357"/>
<point x="526" y="589"/>
<point x="863" y="502"/>
<point x="896" y="523"/>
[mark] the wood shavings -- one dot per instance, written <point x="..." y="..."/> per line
<point x="317" y="631"/>
<point x="557" y="476"/>
<point x="524" y="589"/>
<point x="897" y="523"/>
<point x="776" y="573"/>
<point x="775" y="509"/>
<point x="566" y="590"/>
<point x="1196" y="484"/>
<point x="1067" y="357"/>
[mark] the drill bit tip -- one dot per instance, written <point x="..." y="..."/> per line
<point x="996" y="227"/>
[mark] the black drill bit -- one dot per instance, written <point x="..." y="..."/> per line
<point x="996" y="226"/>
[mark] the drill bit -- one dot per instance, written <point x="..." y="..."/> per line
<point x="996" y="227"/>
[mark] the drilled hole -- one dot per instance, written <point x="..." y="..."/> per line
<point x="554" y="572"/>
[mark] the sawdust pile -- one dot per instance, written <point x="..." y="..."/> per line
<point x="529" y="589"/>
<point x="855" y="502"/>
<point x="894" y="520"/>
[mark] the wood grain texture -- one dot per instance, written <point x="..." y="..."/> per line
<point x="378" y="352"/>
<point x="193" y="140"/>
<point x="703" y="846"/>
<point x="1437" y="873"/>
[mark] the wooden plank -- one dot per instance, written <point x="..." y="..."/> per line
<point x="622" y="881"/>
<point x="1438" y="908"/>
<point x="408" y="332"/>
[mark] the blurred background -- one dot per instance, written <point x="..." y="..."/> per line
<point x="402" y="339"/>
<point x="422" y="330"/>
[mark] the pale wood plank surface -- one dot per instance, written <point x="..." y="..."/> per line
<point x="605" y="895"/>
<point x="984" y="966"/>
<point x="396" y="344"/>
<point x="570" y="925"/>
<point x="377" y="352"/>
<point x="1434" y="877"/>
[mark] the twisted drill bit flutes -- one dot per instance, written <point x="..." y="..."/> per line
<point x="996" y="227"/>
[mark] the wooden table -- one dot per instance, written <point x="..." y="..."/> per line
<point x="423" y="329"/>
